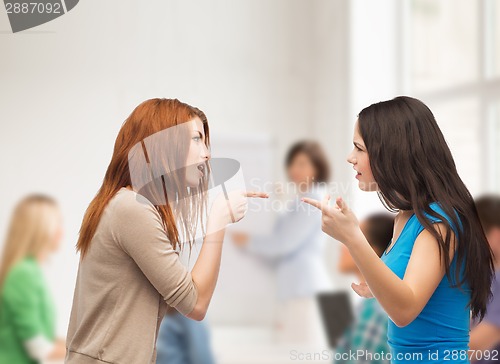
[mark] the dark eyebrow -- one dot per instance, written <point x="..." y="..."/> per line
<point x="201" y="135"/>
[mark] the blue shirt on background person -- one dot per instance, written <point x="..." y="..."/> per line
<point x="296" y="249"/>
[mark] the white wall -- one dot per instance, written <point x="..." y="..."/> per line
<point x="374" y="69"/>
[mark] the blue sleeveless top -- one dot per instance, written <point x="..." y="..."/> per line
<point x="440" y="333"/>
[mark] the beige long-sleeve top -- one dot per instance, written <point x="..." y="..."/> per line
<point x="124" y="284"/>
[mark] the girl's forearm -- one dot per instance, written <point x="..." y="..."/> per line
<point x="206" y="269"/>
<point x="59" y="351"/>
<point x="393" y="294"/>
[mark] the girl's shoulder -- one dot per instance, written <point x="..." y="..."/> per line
<point x="27" y="265"/>
<point x="440" y="215"/>
<point x="436" y="207"/>
<point x="128" y="209"/>
<point x="24" y="273"/>
<point x="127" y="202"/>
<point x="124" y="196"/>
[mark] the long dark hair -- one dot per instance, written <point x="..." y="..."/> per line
<point x="413" y="167"/>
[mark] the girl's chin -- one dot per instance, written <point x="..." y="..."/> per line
<point x="192" y="184"/>
<point x="368" y="187"/>
<point x="193" y="181"/>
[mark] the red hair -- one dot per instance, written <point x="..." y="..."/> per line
<point x="148" y="118"/>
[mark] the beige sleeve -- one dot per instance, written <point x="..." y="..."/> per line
<point x="140" y="233"/>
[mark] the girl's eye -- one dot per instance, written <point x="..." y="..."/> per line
<point x="196" y="139"/>
<point x="358" y="149"/>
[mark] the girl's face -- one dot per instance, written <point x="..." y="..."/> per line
<point x="198" y="153"/>
<point x="361" y="163"/>
<point x="57" y="232"/>
<point x="301" y="170"/>
<point x="58" y="236"/>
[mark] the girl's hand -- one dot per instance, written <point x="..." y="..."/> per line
<point x="362" y="290"/>
<point x="337" y="221"/>
<point x="233" y="209"/>
<point x="240" y="239"/>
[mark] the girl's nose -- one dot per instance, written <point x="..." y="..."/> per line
<point x="351" y="159"/>
<point x="205" y="153"/>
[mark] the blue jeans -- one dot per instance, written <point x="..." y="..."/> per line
<point x="183" y="341"/>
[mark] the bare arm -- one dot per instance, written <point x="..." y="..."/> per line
<point x="39" y="348"/>
<point x="206" y="269"/>
<point x="140" y="233"/>
<point x="59" y="350"/>
<point x="485" y="336"/>
<point x="402" y="299"/>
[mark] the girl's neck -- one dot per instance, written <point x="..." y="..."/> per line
<point x="403" y="214"/>
<point x="41" y="258"/>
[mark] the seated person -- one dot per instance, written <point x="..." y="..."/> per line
<point x="485" y="337"/>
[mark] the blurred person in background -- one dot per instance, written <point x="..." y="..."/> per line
<point x="485" y="337"/>
<point x="183" y="341"/>
<point x="129" y="268"/>
<point x="368" y="331"/>
<point x="296" y="249"/>
<point x="27" y="310"/>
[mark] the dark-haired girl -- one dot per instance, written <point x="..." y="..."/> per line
<point x="438" y="268"/>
